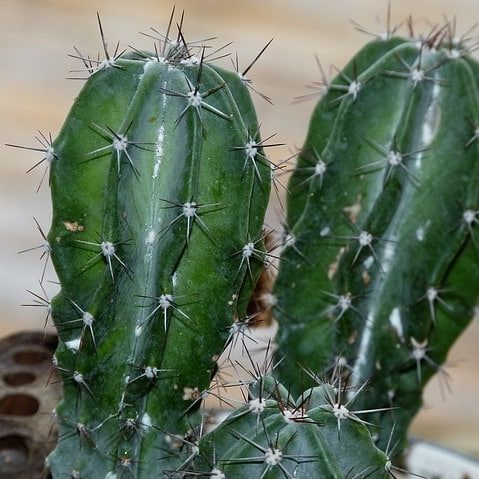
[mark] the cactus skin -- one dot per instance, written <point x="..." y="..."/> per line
<point x="118" y="417"/>
<point x="306" y="433"/>
<point x="422" y="221"/>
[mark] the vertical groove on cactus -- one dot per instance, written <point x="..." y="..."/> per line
<point x="387" y="276"/>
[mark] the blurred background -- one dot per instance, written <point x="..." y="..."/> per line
<point x="37" y="35"/>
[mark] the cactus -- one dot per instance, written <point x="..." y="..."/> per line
<point x="273" y="436"/>
<point x="159" y="187"/>
<point x="380" y="267"/>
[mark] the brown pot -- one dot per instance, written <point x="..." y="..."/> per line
<point x="27" y="431"/>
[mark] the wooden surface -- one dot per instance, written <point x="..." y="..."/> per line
<point x="35" y="37"/>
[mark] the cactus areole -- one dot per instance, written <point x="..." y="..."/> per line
<point x="384" y="274"/>
<point x="158" y="184"/>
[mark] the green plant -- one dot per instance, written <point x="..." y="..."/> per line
<point x="382" y="272"/>
<point x="159" y="186"/>
<point x="160" y="167"/>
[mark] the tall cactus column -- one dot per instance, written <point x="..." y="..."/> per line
<point x="383" y="208"/>
<point x="159" y="189"/>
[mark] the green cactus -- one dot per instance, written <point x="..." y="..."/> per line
<point x="275" y="437"/>
<point x="380" y="267"/>
<point x="159" y="188"/>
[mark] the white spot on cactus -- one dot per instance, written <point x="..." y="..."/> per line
<point x="420" y="233"/>
<point x="364" y="347"/>
<point x="55" y="361"/>
<point x="189" y="209"/>
<point x="431" y="122"/>
<point x="146" y="421"/>
<point x="470" y="216"/>
<point x="354" y="87"/>
<point x="159" y="144"/>
<point x="190" y="393"/>
<point x="151" y="372"/>
<point x="389" y="254"/>
<point x="127" y="379"/>
<point x="454" y="53"/>
<point x="165" y="301"/>
<point x="49" y="154"/>
<point x="138" y="330"/>
<point x="396" y="322"/>
<point x="174" y="279"/>
<point x="365" y="238"/>
<point x="417" y="76"/>
<point x="432" y="294"/>
<point x="216" y="474"/>
<point x="190" y="61"/>
<point x="78" y="377"/>
<point x="110" y="475"/>
<point x="325" y="231"/>
<point x="75" y="474"/>
<point x="394" y="158"/>
<point x="120" y="143"/>
<point x="107" y="63"/>
<point x="107" y="249"/>
<point x="87" y="318"/>
<point x="195" y="449"/>
<point x="248" y="250"/>
<point x="418" y="352"/>
<point x="341" y="412"/>
<point x="291" y="417"/>
<point x="150" y="237"/>
<point x="272" y="457"/>
<point x="257" y="406"/>
<point x="73" y="345"/>
<point x="368" y="262"/>
<point x="251" y="149"/>
<point x="194" y="99"/>
<point x="320" y="168"/>
<point x="289" y="240"/>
